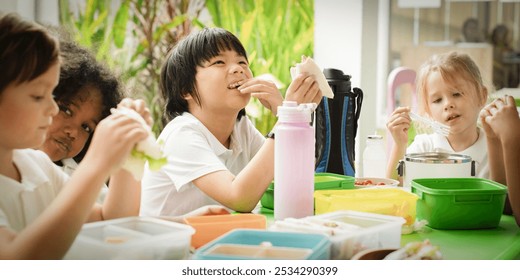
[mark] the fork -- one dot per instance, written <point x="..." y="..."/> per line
<point x="438" y="127"/>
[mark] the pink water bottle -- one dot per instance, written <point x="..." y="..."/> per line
<point x="294" y="161"/>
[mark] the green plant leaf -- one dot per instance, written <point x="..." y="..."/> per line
<point x="120" y="23"/>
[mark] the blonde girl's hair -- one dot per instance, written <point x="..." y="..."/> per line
<point x="453" y="67"/>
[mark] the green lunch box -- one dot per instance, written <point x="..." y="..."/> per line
<point x="459" y="203"/>
<point x="322" y="181"/>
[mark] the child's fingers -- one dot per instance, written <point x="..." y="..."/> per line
<point x="138" y="105"/>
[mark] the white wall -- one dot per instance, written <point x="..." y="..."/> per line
<point x="25" y="8"/>
<point x="42" y="11"/>
<point x="347" y="38"/>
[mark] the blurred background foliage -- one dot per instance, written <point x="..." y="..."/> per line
<point x="133" y="36"/>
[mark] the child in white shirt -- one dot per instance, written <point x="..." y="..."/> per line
<point x="450" y="91"/>
<point x="41" y="208"/>
<point x="215" y="154"/>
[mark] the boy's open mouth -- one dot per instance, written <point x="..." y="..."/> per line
<point x="235" y="85"/>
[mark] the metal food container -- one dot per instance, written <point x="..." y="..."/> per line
<point x="435" y="165"/>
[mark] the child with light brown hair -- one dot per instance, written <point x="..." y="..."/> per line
<point x="450" y="91"/>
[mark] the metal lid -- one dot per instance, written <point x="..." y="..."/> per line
<point x="434" y="157"/>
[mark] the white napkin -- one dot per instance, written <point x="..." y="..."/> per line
<point x="309" y="66"/>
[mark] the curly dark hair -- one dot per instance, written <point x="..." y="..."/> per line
<point x="79" y="69"/>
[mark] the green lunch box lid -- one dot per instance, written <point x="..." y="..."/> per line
<point x="322" y="181"/>
<point x="458" y="186"/>
<point x="325" y="181"/>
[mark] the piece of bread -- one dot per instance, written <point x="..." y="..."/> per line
<point x="309" y="66"/>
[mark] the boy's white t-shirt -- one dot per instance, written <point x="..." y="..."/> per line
<point x="424" y="143"/>
<point x="193" y="151"/>
<point x="21" y="203"/>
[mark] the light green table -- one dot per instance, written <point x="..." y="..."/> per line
<point x="501" y="243"/>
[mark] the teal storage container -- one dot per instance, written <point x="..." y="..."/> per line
<point x="322" y="181"/>
<point x="459" y="203"/>
<point x="249" y="244"/>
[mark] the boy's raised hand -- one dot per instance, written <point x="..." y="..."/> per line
<point x="266" y="91"/>
<point x="304" y="89"/>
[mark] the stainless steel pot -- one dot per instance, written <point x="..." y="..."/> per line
<point x="435" y="165"/>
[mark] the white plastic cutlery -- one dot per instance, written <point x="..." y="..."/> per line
<point x="436" y="126"/>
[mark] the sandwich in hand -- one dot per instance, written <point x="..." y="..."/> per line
<point x="147" y="150"/>
<point x="309" y="66"/>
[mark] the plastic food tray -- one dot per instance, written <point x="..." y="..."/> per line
<point x="386" y="201"/>
<point x="369" y="231"/>
<point x="132" y="238"/>
<point x="210" y="227"/>
<point x="459" y="203"/>
<point x="248" y="244"/>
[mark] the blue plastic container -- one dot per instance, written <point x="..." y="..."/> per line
<point x="244" y="244"/>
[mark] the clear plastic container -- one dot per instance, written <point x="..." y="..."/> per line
<point x="386" y="201"/>
<point x="132" y="238"/>
<point x="350" y="231"/>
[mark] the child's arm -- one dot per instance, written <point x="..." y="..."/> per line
<point x="504" y="120"/>
<point x="124" y="192"/>
<point x="494" y="146"/>
<point x="241" y="193"/>
<point x="52" y="233"/>
<point x="398" y="126"/>
<point x="512" y="166"/>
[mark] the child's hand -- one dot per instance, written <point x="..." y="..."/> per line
<point x="490" y="134"/>
<point x="202" y="211"/>
<point x="399" y="124"/>
<point x="502" y="117"/>
<point x="208" y="210"/>
<point x="113" y="139"/>
<point x="266" y="91"/>
<point x="139" y="106"/>
<point x="304" y="89"/>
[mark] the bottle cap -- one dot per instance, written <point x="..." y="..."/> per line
<point x="375" y="137"/>
<point x="290" y="111"/>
